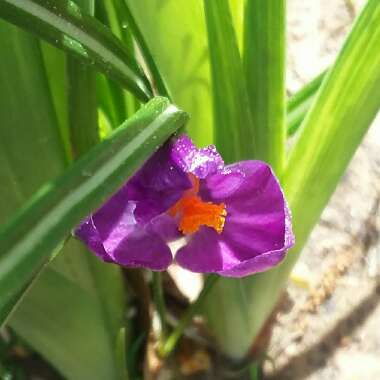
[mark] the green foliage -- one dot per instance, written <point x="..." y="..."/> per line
<point x="264" y="63"/>
<point x="231" y="107"/>
<point x="223" y="62"/>
<point x="343" y="110"/>
<point x="175" y="34"/>
<point x="65" y="25"/>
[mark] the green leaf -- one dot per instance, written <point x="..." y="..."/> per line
<point x="60" y="205"/>
<point x="55" y="67"/>
<point x="300" y="103"/>
<point x="345" y="106"/>
<point x="63" y="24"/>
<point x="62" y="320"/>
<point x="175" y="34"/>
<point x="264" y="61"/>
<point x="115" y="101"/>
<point x="237" y="12"/>
<point x="233" y="127"/>
<point x="82" y="101"/>
<point x="83" y="116"/>
<point x="31" y="155"/>
<point x="158" y="81"/>
<point x="29" y="137"/>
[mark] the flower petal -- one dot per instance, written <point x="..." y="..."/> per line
<point x="113" y="234"/>
<point x="143" y="249"/>
<point x="208" y="252"/>
<point x="165" y="227"/>
<point x="257" y="230"/>
<point x="88" y="233"/>
<point x="205" y="252"/>
<point x="157" y="186"/>
<point x="200" y="162"/>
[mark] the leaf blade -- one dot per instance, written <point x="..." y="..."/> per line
<point x="264" y="62"/>
<point x="64" y="25"/>
<point x="233" y="126"/>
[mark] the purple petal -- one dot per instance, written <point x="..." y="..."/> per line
<point x="157" y="186"/>
<point x="164" y="226"/>
<point x="143" y="249"/>
<point x="257" y="230"/>
<point x="113" y="234"/>
<point x="88" y="233"/>
<point x="200" y="162"/>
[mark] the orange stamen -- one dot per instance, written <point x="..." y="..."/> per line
<point x="194" y="213"/>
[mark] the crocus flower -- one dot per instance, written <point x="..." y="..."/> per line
<point x="233" y="219"/>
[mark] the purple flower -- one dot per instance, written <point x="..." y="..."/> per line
<point x="234" y="219"/>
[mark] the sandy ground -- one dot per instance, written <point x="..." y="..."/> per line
<point x="332" y="327"/>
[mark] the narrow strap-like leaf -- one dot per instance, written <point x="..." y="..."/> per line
<point x="82" y="101"/>
<point x="158" y="81"/>
<point x="264" y="62"/>
<point x="233" y="129"/>
<point x="62" y="23"/>
<point x="300" y="103"/>
<point x="28" y="240"/>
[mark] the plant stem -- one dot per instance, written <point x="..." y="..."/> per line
<point x="170" y="343"/>
<point x="159" y="301"/>
<point x="254" y="371"/>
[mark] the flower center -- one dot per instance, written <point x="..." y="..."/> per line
<point x="194" y="213"/>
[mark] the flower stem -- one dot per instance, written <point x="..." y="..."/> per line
<point x="159" y="301"/>
<point x="170" y="343"/>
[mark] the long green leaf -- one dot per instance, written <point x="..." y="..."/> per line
<point x="31" y="154"/>
<point x="29" y="137"/>
<point x="82" y="102"/>
<point x="62" y="321"/>
<point x="55" y="63"/>
<point x="175" y="34"/>
<point x="117" y="102"/>
<point x="83" y="116"/>
<point x="28" y="240"/>
<point x="300" y="103"/>
<point x="264" y="61"/>
<point x="344" y="109"/>
<point x="233" y="128"/>
<point x="158" y="82"/>
<point x="63" y="24"/>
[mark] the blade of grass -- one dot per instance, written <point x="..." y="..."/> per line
<point x="29" y="238"/>
<point x="233" y="128"/>
<point x="344" y="109"/>
<point x="64" y="25"/>
<point x="264" y="62"/>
